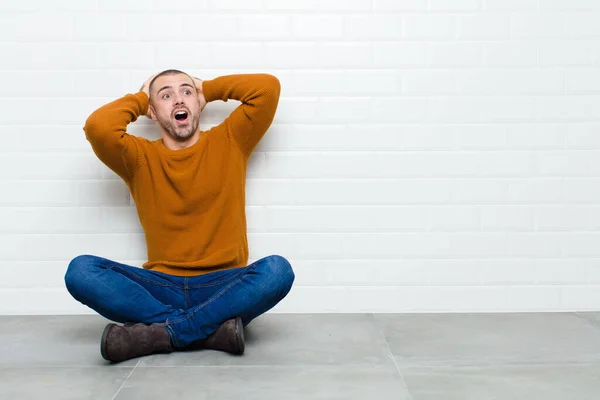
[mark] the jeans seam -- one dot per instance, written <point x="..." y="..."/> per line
<point x="186" y="292"/>
<point x="172" y="334"/>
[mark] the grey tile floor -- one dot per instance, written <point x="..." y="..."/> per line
<point x="319" y="356"/>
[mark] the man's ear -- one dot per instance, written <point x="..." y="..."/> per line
<point x="152" y="113"/>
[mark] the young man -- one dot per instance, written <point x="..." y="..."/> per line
<point x="196" y="289"/>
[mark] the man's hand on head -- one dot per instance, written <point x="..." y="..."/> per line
<point x="146" y="89"/>
<point x="198" y="84"/>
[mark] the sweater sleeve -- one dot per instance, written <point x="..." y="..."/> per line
<point x="105" y="130"/>
<point x="259" y="94"/>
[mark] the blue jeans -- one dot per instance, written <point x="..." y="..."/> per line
<point x="191" y="308"/>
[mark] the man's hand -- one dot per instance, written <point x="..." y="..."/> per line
<point x="201" y="98"/>
<point x="146" y="89"/>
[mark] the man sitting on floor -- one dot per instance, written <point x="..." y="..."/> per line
<point x="196" y="289"/>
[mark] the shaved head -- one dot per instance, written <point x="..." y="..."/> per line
<point x="167" y="72"/>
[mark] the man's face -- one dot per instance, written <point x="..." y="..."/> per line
<point x="174" y="104"/>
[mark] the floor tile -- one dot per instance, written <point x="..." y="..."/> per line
<point x="264" y="383"/>
<point x="62" y="383"/>
<point x="557" y="382"/>
<point x="475" y="339"/>
<point x="297" y="339"/>
<point x="594" y="317"/>
<point x="39" y="341"/>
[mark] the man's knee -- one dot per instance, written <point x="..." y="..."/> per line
<point x="281" y="270"/>
<point x="76" y="271"/>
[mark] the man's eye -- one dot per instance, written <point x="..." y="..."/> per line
<point x="166" y="96"/>
<point x="187" y="92"/>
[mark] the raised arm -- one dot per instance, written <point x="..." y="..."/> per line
<point x="105" y="130"/>
<point x="259" y="94"/>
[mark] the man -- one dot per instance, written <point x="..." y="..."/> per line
<point x="196" y="289"/>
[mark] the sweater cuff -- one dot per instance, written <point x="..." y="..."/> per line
<point x="210" y="89"/>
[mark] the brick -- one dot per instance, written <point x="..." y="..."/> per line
<point x="452" y="6"/>
<point x="428" y="82"/>
<point x="400" y="5"/>
<point x="235" y="55"/>
<point x="399" y="109"/>
<point x="453" y="54"/>
<point x="317" y="27"/>
<point x="347" y="5"/>
<point x="569" y="6"/>
<point x="540" y="191"/>
<point x="507" y="218"/>
<point x="234" y="4"/>
<point x="291" y="55"/>
<point x="317" y="83"/>
<point x="535" y="244"/>
<point x="139" y="6"/>
<point x="537" y="26"/>
<point x="371" y="191"/>
<point x="102" y="27"/>
<point x="564" y="163"/>
<point x="202" y="28"/>
<point x="510" y="54"/>
<point x="344" y="55"/>
<point x="373" y="26"/>
<point x="567" y="53"/>
<point x="35" y="27"/>
<point x="53" y="220"/>
<point x="535" y="136"/>
<point x="582" y="26"/>
<point x="580" y="298"/>
<point x="510" y="5"/>
<point x="582" y="81"/>
<point x="399" y="54"/>
<point x="535" y="298"/>
<point x="38" y="193"/>
<point x="480" y="109"/>
<point x="483" y="27"/>
<point x="511" y="82"/>
<point x="290" y="5"/>
<point x="271" y="27"/>
<point x="56" y="166"/>
<point x="344" y="110"/>
<point x="105" y="192"/>
<point x="438" y="27"/>
<point x="120" y="219"/>
<point x="567" y="108"/>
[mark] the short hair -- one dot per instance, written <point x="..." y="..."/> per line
<point x="166" y="72"/>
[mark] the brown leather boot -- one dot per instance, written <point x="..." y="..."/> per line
<point x="120" y="343"/>
<point x="229" y="337"/>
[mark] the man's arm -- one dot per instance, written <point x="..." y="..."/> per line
<point x="259" y="94"/>
<point x="105" y="130"/>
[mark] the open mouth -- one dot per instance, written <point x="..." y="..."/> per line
<point x="181" y="117"/>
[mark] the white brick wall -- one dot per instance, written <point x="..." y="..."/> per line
<point x="427" y="155"/>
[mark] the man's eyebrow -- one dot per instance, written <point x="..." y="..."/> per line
<point x="169" y="87"/>
<point x="163" y="88"/>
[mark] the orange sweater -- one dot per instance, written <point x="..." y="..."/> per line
<point x="191" y="202"/>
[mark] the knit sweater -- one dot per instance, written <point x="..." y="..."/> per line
<point x="191" y="202"/>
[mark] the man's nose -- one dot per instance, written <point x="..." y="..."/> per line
<point x="178" y="99"/>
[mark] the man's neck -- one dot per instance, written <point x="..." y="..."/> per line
<point x="173" y="144"/>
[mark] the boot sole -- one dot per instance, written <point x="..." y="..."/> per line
<point x="239" y="335"/>
<point x="107" y="330"/>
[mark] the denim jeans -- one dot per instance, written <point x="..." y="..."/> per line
<point x="191" y="308"/>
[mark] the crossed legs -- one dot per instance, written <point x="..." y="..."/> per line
<point x="190" y="308"/>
